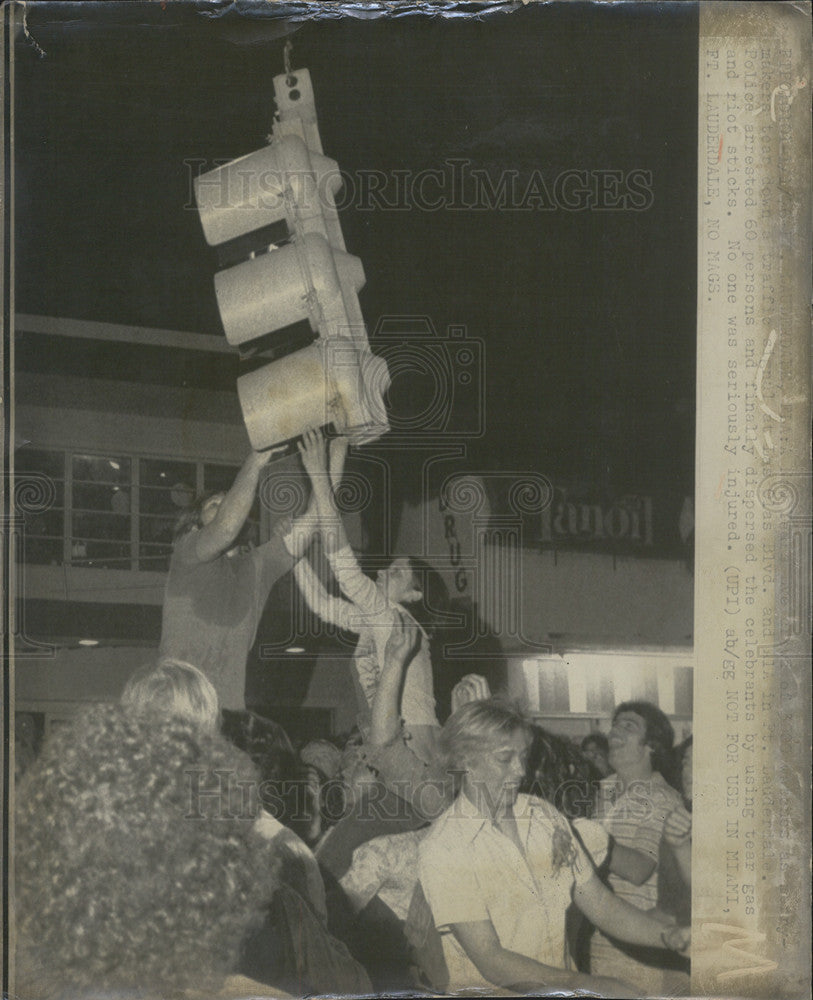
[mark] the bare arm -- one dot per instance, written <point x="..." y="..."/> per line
<point x="216" y="537"/>
<point x="401" y="647"/>
<point x="428" y="787"/>
<point x="616" y="916"/>
<point x="506" y="968"/>
<point x="630" y="864"/>
<point x="300" y="532"/>
<point x="358" y="588"/>
<point x="314" y="459"/>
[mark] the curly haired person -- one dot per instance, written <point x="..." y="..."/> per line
<point x="139" y="869"/>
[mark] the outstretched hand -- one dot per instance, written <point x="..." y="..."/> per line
<point x="403" y="642"/>
<point x="312" y="451"/>
<point x="472" y="687"/>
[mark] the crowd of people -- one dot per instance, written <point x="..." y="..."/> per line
<point x="165" y="847"/>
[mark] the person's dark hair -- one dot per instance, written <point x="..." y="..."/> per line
<point x="283" y="779"/>
<point x="659" y="735"/>
<point x="560" y="773"/>
<point x="190" y="517"/>
<point x="596" y="739"/>
<point x="264" y="735"/>
<point x="137" y="864"/>
<point x="675" y="775"/>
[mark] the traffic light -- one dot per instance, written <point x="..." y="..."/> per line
<point x="276" y="278"/>
<point x="332" y="380"/>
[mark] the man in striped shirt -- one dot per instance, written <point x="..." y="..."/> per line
<point x="634" y="803"/>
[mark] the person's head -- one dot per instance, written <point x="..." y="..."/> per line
<point x="559" y="772"/>
<point x="597" y="750"/>
<point x="399" y="582"/>
<point x="259" y="736"/>
<point x="413" y="583"/>
<point x="640" y="739"/>
<point x="487" y="742"/>
<point x="199" y="513"/>
<point x="173" y="687"/>
<point x="137" y="865"/>
<point x="324" y="756"/>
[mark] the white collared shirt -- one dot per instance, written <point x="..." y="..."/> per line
<point x="470" y="870"/>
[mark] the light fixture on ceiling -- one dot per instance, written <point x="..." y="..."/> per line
<point x="295" y="649"/>
<point x="88" y="642"/>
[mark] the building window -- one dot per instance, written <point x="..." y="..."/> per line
<point x="44" y="537"/>
<point x="115" y="511"/>
<point x="166" y="489"/>
<point x="102" y="492"/>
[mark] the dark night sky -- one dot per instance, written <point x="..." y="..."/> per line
<point x="588" y="318"/>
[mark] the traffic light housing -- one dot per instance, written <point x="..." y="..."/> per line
<point x="305" y="275"/>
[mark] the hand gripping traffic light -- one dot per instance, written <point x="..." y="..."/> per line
<point x="309" y="277"/>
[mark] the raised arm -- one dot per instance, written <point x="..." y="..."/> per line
<point x="314" y="459"/>
<point x="357" y="587"/>
<point x="402" y="645"/>
<point x="299" y="533"/>
<point x="217" y="537"/>
<point x="330" y="609"/>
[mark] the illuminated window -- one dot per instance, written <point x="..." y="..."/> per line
<point x="112" y="511"/>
